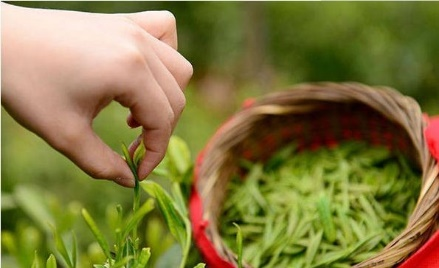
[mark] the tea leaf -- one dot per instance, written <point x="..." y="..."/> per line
<point x="128" y="250"/>
<point x="170" y="212"/>
<point x="127" y="158"/>
<point x="36" y="261"/>
<point x="143" y="258"/>
<point x="133" y="220"/>
<point x="179" y="158"/>
<point x="51" y="262"/>
<point x="180" y="204"/>
<point x="325" y="215"/>
<point x="31" y="200"/>
<point x="239" y="244"/>
<point x="74" y="250"/>
<point x="161" y="170"/>
<point x="121" y="263"/>
<point x="139" y="154"/>
<point x="9" y="242"/>
<point x="177" y="223"/>
<point x="96" y="232"/>
<point x="61" y="248"/>
<point x="313" y="246"/>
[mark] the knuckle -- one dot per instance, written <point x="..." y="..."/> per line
<point x="188" y="69"/>
<point x="185" y="72"/>
<point x="170" y="116"/>
<point x="123" y="66"/>
<point x="180" y="103"/>
<point x="131" y="59"/>
<point x="169" y="19"/>
<point x="132" y="31"/>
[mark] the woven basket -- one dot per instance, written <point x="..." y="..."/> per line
<point x="315" y="115"/>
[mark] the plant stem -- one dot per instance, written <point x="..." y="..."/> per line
<point x="136" y="201"/>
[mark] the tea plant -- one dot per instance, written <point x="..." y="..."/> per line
<point x="126" y="250"/>
<point x="324" y="208"/>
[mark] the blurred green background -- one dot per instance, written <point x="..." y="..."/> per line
<point x="238" y="50"/>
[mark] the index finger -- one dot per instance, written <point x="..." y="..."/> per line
<point x="160" y="24"/>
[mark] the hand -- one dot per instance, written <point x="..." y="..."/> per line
<point x="61" y="68"/>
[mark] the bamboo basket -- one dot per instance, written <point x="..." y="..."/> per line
<point x="315" y="115"/>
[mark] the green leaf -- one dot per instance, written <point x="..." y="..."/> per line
<point x="139" y="153"/>
<point x="168" y="209"/>
<point x="129" y="250"/>
<point x="128" y="159"/>
<point x="96" y="232"/>
<point x="200" y="265"/>
<point x="179" y="157"/>
<point x="180" y="203"/>
<point x="324" y="211"/>
<point x="239" y="244"/>
<point x="9" y="242"/>
<point x="121" y="263"/>
<point x="177" y="223"/>
<point x="143" y="259"/>
<point x="31" y="200"/>
<point x="61" y="247"/>
<point x="313" y="247"/>
<point x="74" y="249"/>
<point x="132" y="221"/>
<point x="36" y="261"/>
<point x="51" y="262"/>
<point x="161" y="170"/>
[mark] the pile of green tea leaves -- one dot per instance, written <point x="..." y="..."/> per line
<point x="323" y="208"/>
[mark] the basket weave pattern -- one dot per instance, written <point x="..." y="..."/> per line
<point x="312" y="116"/>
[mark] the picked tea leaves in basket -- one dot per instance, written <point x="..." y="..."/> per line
<point x="320" y="208"/>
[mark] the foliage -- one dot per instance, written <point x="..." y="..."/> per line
<point x="126" y="251"/>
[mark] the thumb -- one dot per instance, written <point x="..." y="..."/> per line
<point x="160" y="24"/>
<point x="84" y="147"/>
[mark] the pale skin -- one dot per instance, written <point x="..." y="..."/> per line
<point x="61" y="68"/>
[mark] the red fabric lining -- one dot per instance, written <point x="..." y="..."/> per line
<point x="432" y="136"/>
<point x="199" y="225"/>
<point x="425" y="257"/>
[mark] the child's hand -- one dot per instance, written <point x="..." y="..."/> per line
<point x="61" y="68"/>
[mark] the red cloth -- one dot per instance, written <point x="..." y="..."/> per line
<point x="425" y="257"/>
<point x="428" y="255"/>
<point x="432" y="136"/>
<point x="210" y="255"/>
